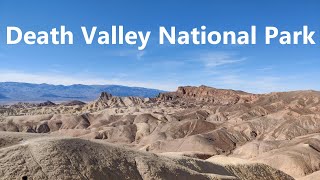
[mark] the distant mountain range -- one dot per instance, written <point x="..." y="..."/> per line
<point x="3" y="97"/>
<point x="25" y="92"/>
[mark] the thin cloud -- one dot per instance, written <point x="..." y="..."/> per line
<point x="134" y="54"/>
<point x="257" y="84"/>
<point x="264" y="69"/>
<point x="140" y="54"/>
<point x="207" y="59"/>
<point x="214" y="59"/>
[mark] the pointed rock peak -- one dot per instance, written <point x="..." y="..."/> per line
<point x="104" y="96"/>
<point x="47" y="103"/>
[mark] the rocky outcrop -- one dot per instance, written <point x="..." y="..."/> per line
<point x="47" y="103"/>
<point x="208" y="95"/>
<point x="104" y="97"/>
<point x="107" y="100"/>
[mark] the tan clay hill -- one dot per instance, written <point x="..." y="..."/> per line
<point x="193" y="133"/>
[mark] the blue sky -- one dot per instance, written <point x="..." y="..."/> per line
<point x="254" y="68"/>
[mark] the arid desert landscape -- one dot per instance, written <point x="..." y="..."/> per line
<point x="192" y="133"/>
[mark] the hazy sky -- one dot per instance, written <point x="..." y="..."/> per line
<point x="253" y="68"/>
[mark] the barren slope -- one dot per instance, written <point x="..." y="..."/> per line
<point x="45" y="157"/>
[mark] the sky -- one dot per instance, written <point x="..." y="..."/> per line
<point x="256" y="68"/>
